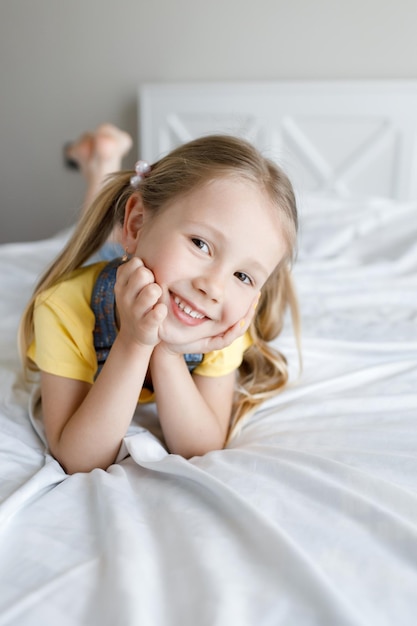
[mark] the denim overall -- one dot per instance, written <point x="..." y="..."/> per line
<point x="105" y="330"/>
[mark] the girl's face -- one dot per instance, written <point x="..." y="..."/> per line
<point x="211" y="252"/>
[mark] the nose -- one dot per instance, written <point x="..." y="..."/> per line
<point x="211" y="284"/>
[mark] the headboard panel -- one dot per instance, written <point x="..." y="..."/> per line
<point x="336" y="137"/>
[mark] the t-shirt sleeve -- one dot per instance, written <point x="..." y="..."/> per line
<point x="222" y="362"/>
<point x="62" y="345"/>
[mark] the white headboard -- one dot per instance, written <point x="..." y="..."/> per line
<point x="342" y="138"/>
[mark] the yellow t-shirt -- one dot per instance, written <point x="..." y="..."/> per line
<point x="64" y="324"/>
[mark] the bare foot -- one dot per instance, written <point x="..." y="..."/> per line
<point x="100" y="152"/>
<point x="78" y="153"/>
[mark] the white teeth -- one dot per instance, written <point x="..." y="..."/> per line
<point x="187" y="309"/>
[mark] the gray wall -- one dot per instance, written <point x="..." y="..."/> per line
<point x="67" y="66"/>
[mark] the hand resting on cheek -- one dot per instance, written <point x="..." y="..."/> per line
<point x="139" y="312"/>
<point x="217" y="342"/>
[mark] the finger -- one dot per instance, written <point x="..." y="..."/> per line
<point x="231" y="334"/>
<point x="125" y="269"/>
<point x="150" y="324"/>
<point x="131" y="281"/>
<point x="242" y="325"/>
<point x="157" y="314"/>
<point x="146" y="299"/>
<point x="134" y="273"/>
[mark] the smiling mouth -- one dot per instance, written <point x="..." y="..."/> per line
<point x="188" y="310"/>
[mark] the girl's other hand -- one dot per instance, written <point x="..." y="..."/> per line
<point x="138" y="311"/>
<point x="220" y="341"/>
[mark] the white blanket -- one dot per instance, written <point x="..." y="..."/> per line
<point x="308" y="518"/>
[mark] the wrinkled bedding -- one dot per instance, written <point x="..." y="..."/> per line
<point x="309" y="517"/>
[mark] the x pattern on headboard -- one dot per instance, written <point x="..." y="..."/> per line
<point x="341" y="138"/>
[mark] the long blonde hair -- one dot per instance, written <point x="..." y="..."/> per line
<point x="264" y="370"/>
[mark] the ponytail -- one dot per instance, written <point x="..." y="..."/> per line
<point x="90" y="234"/>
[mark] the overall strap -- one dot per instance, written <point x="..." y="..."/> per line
<point x="103" y="307"/>
<point x="102" y="304"/>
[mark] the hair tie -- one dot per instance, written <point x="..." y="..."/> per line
<point x="142" y="168"/>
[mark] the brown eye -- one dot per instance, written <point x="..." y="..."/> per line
<point x="200" y="244"/>
<point x="244" y="278"/>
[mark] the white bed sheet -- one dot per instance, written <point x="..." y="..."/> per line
<point x="308" y="518"/>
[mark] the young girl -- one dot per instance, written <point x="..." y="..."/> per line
<point x="183" y="319"/>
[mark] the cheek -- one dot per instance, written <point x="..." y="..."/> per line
<point x="237" y="307"/>
<point x="174" y="265"/>
<point x="160" y="263"/>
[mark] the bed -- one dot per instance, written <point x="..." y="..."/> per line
<point x="309" y="516"/>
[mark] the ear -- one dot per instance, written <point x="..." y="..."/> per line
<point x="133" y="222"/>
